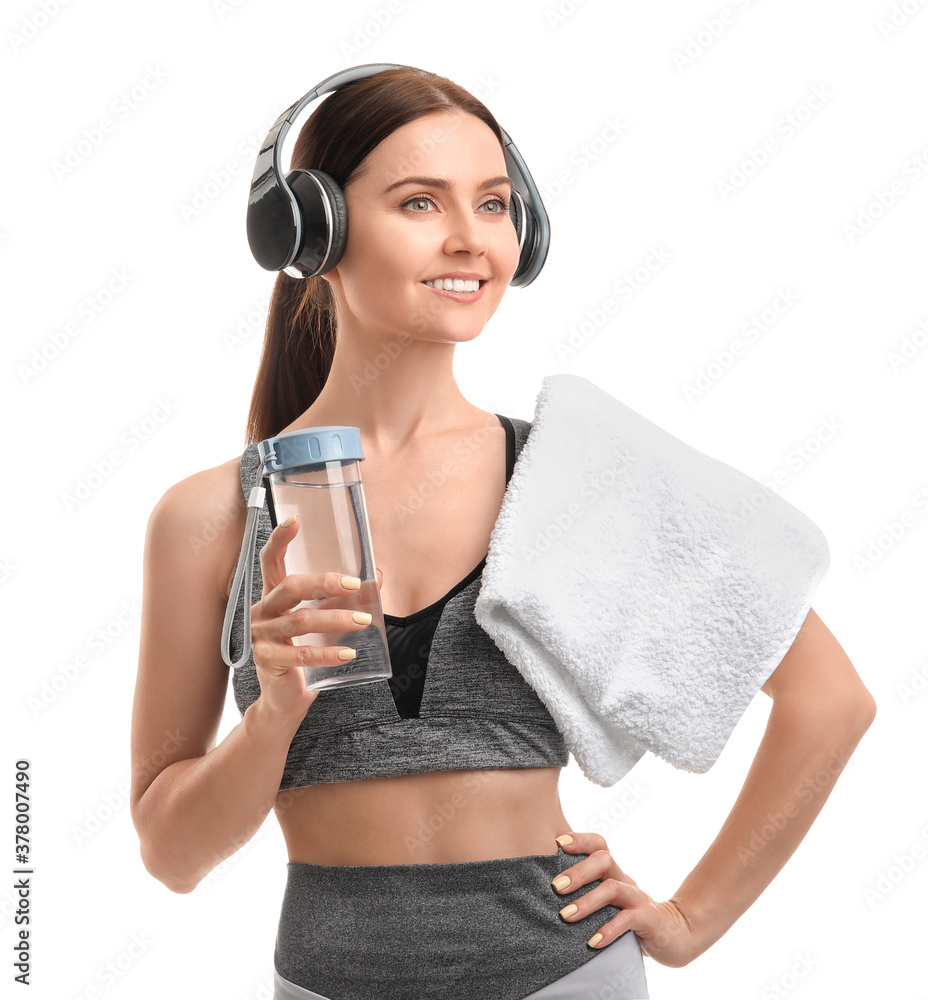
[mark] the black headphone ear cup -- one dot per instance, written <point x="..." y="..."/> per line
<point x="324" y="222"/>
<point x="516" y="213"/>
<point x="521" y="219"/>
<point x="339" y="221"/>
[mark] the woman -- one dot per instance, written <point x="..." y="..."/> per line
<point x="425" y="845"/>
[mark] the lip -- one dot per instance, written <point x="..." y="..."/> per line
<point x="465" y="297"/>
<point x="467" y="275"/>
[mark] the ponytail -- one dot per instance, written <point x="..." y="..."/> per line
<point x="299" y="344"/>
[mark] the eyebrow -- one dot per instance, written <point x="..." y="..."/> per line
<point x="446" y="185"/>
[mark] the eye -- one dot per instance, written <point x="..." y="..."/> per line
<point x="420" y="198"/>
<point x="502" y="210"/>
<point x="503" y="205"/>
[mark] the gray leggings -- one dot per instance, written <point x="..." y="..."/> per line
<point x="471" y="930"/>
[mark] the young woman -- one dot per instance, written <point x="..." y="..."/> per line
<point x="421" y="836"/>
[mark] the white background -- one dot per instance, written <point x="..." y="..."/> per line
<point x="835" y="216"/>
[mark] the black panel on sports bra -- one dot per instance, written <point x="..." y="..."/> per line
<point x="409" y="638"/>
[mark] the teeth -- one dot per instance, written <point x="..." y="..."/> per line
<point x="454" y="284"/>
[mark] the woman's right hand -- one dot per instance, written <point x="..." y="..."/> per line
<point x="278" y="661"/>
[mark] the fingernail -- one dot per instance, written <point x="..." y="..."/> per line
<point x="362" y="617"/>
<point x="351" y="582"/>
<point x="594" y="940"/>
<point x="347" y="654"/>
<point x="561" y="881"/>
<point x="288" y="522"/>
<point x="569" y="910"/>
<point x="564" y="839"/>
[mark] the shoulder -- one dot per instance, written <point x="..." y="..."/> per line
<point x="205" y="495"/>
<point x="198" y="523"/>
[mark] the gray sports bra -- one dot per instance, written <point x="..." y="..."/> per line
<point x="454" y="701"/>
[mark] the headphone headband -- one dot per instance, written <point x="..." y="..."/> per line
<point x="298" y="223"/>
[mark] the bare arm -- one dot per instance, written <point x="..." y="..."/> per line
<point x="193" y="803"/>
<point x="820" y="711"/>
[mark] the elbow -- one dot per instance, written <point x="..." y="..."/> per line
<point x="161" y="860"/>
<point x="173" y="882"/>
<point x="857" y="712"/>
<point x="167" y="877"/>
<point x="861" y="710"/>
<point x="838" y="714"/>
<point x="848" y="715"/>
<point x="854" y="705"/>
<point x="174" y="885"/>
<point x="817" y="683"/>
<point x="189" y="887"/>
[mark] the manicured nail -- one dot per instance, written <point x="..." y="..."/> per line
<point x="594" y="940"/>
<point x="564" y="839"/>
<point x="347" y="654"/>
<point x="561" y="882"/>
<point x="351" y="582"/>
<point x="569" y="910"/>
<point x="288" y="522"/>
<point x="362" y="617"/>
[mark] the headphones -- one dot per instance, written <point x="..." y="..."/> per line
<point x="298" y="223"/>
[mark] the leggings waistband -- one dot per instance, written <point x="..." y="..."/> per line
<point x="469" y="930"/>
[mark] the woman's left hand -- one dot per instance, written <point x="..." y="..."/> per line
<point x="662" y="928"/>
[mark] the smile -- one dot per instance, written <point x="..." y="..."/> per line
<point x="455" y="284"/>
<point x="456" y="289"/>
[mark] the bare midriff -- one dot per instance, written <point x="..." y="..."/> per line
<point x="434" y="818"/>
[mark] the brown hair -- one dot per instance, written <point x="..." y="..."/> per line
<point x="299" y="340"/>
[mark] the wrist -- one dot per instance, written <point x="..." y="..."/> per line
<point x="263" y="722"/>
<point x="705" y="927"/>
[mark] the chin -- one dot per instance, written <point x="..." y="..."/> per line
<point x="439" y="337"/>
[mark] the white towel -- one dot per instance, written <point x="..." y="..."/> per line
<point x="642" y="588"/>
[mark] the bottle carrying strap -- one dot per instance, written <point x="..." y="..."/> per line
<point x="244" y="569"/>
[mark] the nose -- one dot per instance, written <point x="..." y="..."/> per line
<point x="464" y="233"/>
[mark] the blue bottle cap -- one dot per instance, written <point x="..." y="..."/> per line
<point x="310" y="446"/>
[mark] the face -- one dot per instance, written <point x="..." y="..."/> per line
<point x="401" y="233"/>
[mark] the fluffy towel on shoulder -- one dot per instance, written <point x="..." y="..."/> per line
<point x="642" y="588"/>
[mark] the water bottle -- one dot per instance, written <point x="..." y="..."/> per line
<point x="315" y="472"/>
